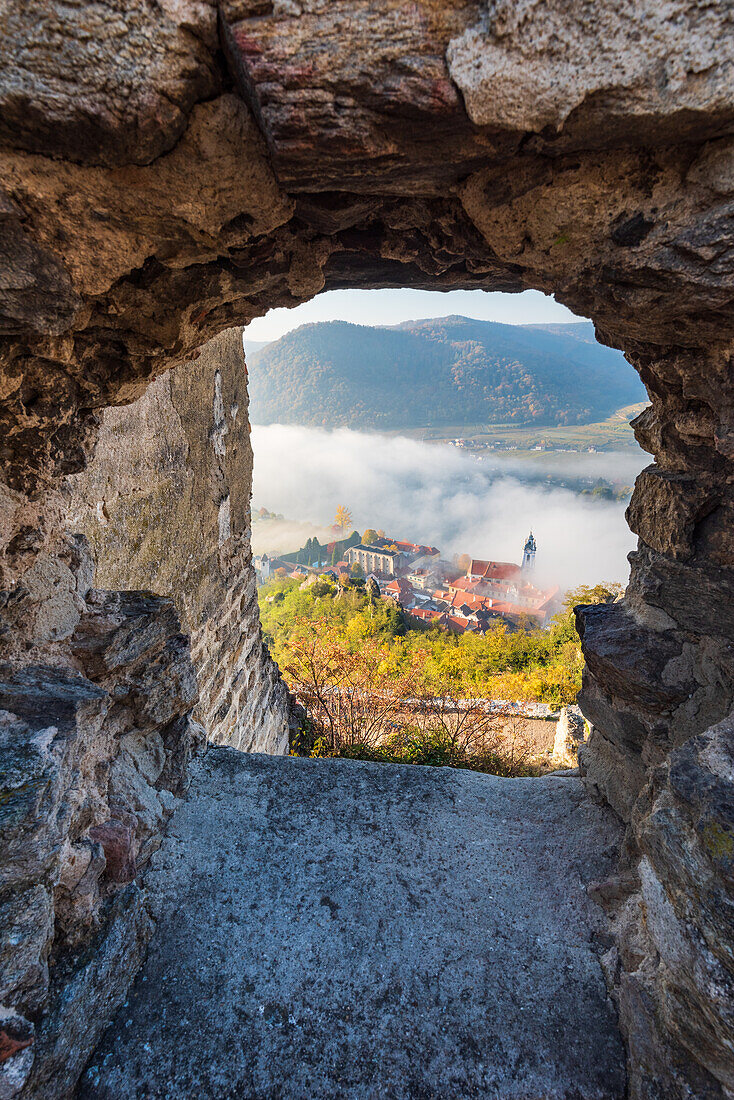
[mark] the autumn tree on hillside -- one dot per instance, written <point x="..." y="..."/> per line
<point x="533" y="665"/>
<point x="358" y="708"/>
<point x="369" y="537"/>
<point x="343" y="517"/>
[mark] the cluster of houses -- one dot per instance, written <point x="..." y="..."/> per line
<point x="503" y="445"/>
<point x="430" y="589"/>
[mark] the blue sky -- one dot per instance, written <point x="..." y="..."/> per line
<point x="390" y="307"/>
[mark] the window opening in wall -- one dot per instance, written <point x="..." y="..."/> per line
<point x="438" y="479"/>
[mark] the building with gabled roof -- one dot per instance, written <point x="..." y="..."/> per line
<point x="399" y="590"/>
<point x="493" y="570"/>
<point x="376" y="559"/>
<point x="465" y="584"/>
<point x="425" y="614"/>
<point x="413" y="549"/>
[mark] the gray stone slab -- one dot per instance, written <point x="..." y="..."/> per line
<point x="342" y="929"/>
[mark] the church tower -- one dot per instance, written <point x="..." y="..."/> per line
<point x="528" y="554"/>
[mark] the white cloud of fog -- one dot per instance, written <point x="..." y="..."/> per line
<point x="435" y="494"/>
<point x="283" y="536"/>
<point x="621" y="467"/>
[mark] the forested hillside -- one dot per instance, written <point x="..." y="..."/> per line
<point x="427" y="373"/>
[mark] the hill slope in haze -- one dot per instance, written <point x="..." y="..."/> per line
<point x="253" y="346"/>
<point x="448" y="371"/>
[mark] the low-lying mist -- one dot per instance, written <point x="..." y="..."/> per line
<point x="438" y="495"/>
<point x="271" y="536"/>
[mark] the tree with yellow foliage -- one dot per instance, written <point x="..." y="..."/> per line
<point x="343" y="518"/>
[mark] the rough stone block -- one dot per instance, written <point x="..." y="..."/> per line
<point x="570" y="734"/>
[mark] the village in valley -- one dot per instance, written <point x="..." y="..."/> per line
<point x="461" y="595"/>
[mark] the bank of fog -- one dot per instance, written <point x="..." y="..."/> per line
<point x="440" y="496"/>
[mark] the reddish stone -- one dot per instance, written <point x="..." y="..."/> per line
<point x="117" y="841"/>
<point x="10" y="1046"/>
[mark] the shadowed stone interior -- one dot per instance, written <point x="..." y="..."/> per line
<point x="165" y="504"/>
<point x="170" y="172"/>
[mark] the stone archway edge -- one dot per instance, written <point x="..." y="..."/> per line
<point x="170" y="172"/>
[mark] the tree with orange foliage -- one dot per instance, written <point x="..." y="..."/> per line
<point x="350" y="698"/>
<point x="357" y="707"/>
<point x="463" y="561"/>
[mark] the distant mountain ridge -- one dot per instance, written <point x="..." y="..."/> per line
<point x="253" y="346"/>
<point x="434" y="372"/>
<point x="579" y="330"/>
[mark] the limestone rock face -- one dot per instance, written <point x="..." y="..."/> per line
<point x="530" y="65"/>
<point x="685" y="833"/>
<point x="109" y="82"/>
<point x="92" y="763"/>
<point x="672" y="965"/>
<point x="165" y="504"/>
<point x="162" y="184"/>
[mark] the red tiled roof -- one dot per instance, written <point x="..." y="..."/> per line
<point x="458" y="623"/>
<point x="399" y="586"/>
<point x="474" y="603"/>
<point x="493" y="570"/>
<point x="516" y="609"/>
<point x="414" y="547"/>
<point x="548" y="598"/>
<point x="464" y="584"/>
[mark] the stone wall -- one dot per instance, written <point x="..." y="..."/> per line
<point x="165" y="504"/>
<point x="96" y="730"/>
<point x="670" y="965"/>
<point x="247" y="155"/>
<point x="94" y="758"/>
<point x="659" y="691"/>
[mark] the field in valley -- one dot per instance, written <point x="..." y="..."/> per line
<point x="612" y="434"/>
